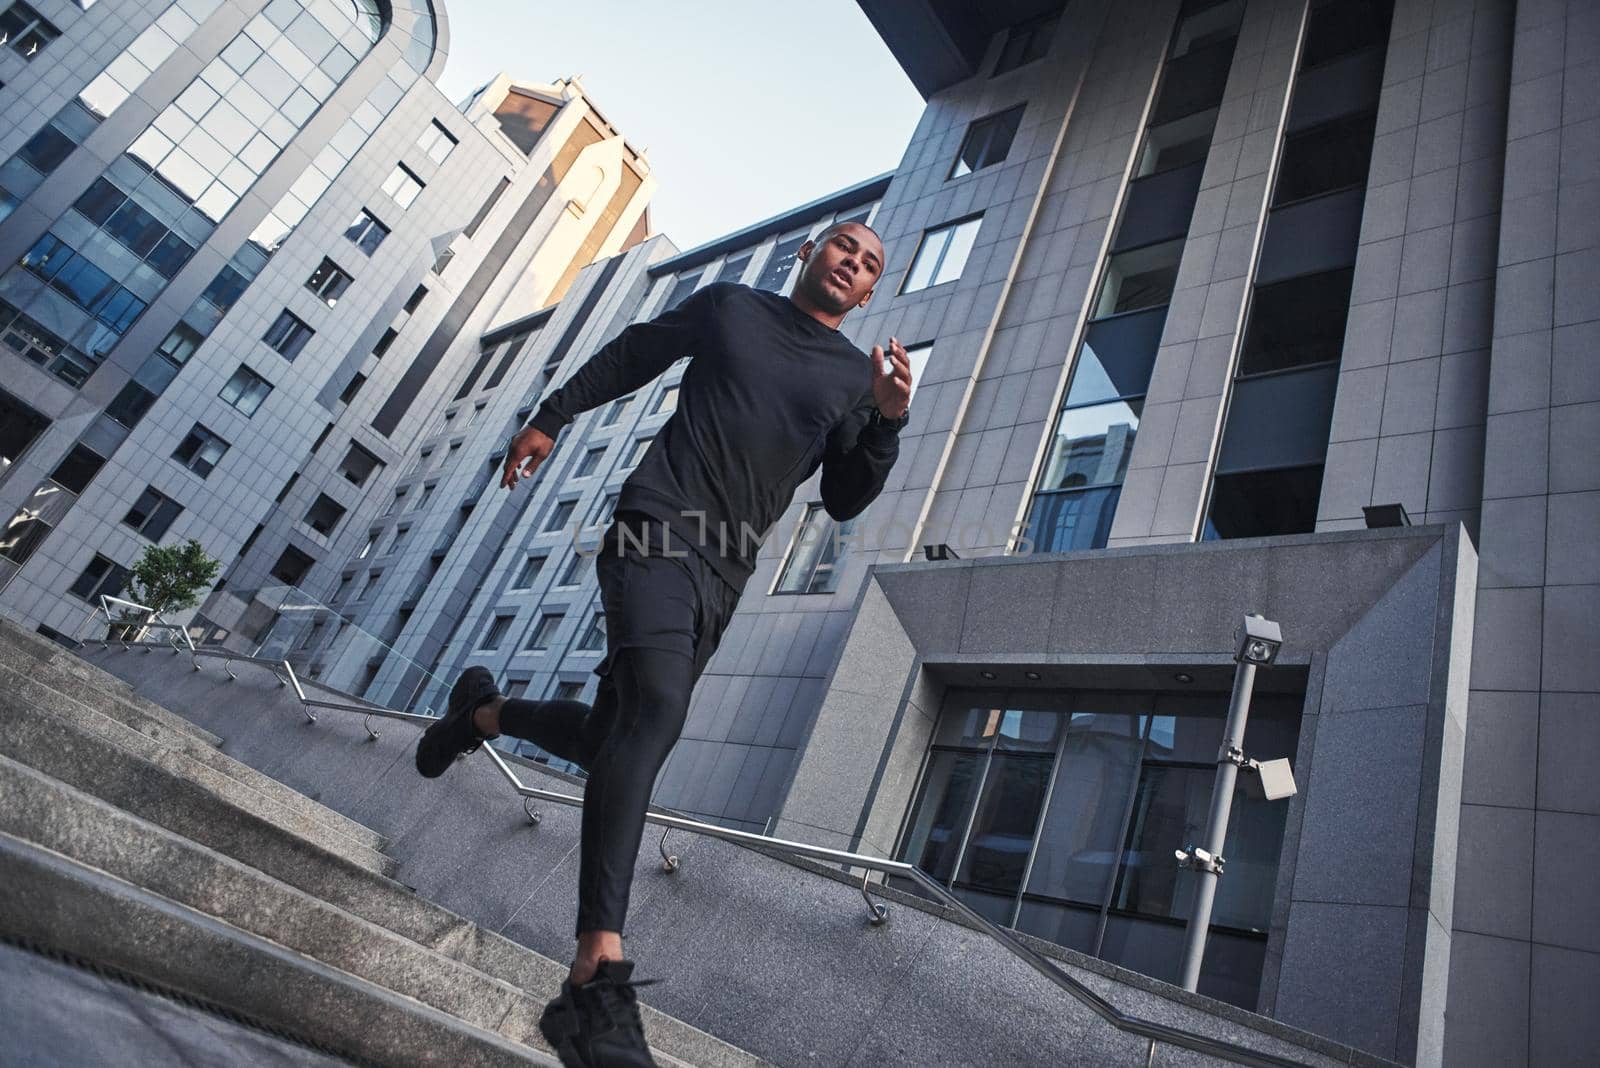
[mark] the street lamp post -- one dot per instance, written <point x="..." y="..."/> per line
<point x="1257" y="644"/>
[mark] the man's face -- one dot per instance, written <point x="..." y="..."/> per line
<point x="841" y="267"/>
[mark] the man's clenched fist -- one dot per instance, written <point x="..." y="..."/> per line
<point x="526" y="452"/>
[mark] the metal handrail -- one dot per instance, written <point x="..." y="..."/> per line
<point x="878" y="912"/>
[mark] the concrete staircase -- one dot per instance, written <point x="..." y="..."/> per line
<point x="132" y="845"/>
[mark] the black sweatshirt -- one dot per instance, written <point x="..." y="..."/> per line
<point x="768" y="396"/>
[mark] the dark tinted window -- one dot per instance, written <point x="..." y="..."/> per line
<point x="1339" y="27"/>
<point x="77" y="469"/>
<point x="20" y="424"/>
<point x="1296" y="322"/>
<point x="1332" y="156"/>
<point x="1257" y="504"/>
<point x="988" y="142"/>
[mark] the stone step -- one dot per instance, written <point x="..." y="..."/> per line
<point x="23" y="650"/>
<point x="73" y="743"/>
<point x="47" y="813"/>
<point x="56" y="687"/>
<point x="50" y="900"/>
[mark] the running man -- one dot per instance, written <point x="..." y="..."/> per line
<point x="773" y="391"/>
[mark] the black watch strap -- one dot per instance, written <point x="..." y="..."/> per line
<point x="877" y="418"/>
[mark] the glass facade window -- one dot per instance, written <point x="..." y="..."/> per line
<point x="77" y="469"/>
<point x="288" y="334"/>
<point x="384" y="341"/>
<point x="593" y="638"/>
<point x="1325" y="158"/>
<point x="1178" y="143"/>
<point x="291" y="566"/>
<point x="78" y="279"/>
<point x="682" y="286"/>
<point x="1338" y="29"/>
<point x="1204" y="24"/>
<point x="942" y="254"/>
<point x="402" y="186"/>
<point x="200" y="450"/>
<point x="1057" y="813"/>
<point x="613" y="414"/>
<point x="1297" y="322"/>
<point x="436" y="141"/>
<point x="590" y="463"/>
<point x="572" y="574"/>
<point x="666" y="401"/>
<point x="1026" y="42"/>
<point x="414" y="301"/>
<point x="636" y="452"/>
<point x="23" y="336"/>
<point x="780" y="264"/>
<point x="245" y="390"/>
<point x="988" y="142"/>
<point x="329" y="282"/>
<point x="366" y="232"/>
<point x="352" y="387"/>
<point x="25" y="31"/>
<point x="358" y="465"/>
<point x="813" y="561"/>
<point x="733" y="267"/>
<point x="1259" y="504"/>
<point x="1139" y="278"/>
<point x="560" y="515"/>
<point x="324" y="514"/>
<point x="543" y="632"/>
<point x="154" y="45"/>
<point x="102" y="577"/>
<point x="531" y="566"/>
<point x="523" y="118"/>
<point x="20" y="425"/>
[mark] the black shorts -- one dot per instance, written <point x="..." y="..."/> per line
<point x="665" y="596"/>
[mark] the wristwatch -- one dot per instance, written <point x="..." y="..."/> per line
<point x="877" y="418"/>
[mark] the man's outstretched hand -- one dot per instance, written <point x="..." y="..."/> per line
<point x="527" y="451"/>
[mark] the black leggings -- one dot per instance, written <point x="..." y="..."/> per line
<point x="621" y="741"/>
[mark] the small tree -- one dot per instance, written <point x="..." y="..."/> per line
<point x="170" y="578"/>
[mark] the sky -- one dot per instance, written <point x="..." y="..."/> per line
<point x="745" y="108"/>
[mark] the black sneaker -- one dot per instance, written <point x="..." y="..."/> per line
<point x="596" y="1024"/>
<point x="454" y="733"/>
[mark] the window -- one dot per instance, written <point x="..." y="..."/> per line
<point x="436" y="141"/>
<point x="402" y="186"/>
<point x="102" y="577"/>
<point x="133" y="227"/>
<point x="1057" y="813"/>
<point x="529" y="571"/>
<point x="1332" y="156"/>
<point x="152" y="514"/>
<point x="1297" y="322"/>
<point x="287" y="335"/>
<point x="1335" y="30"/>
<point x="80" y="281"/>
<point x="288" y="484"/>
<point x="20" y="425"/>
<point x="775" y="275"/>
<point x="384" y="342"/>
<point x="1139" y="278"/>
<point x="636" y="452"/>
<point x="734" y="267"/>
<point x="988" y="142"/>
<point x="422" y="498"/>
<point x="291" y="566"/>
<point x="543" y="632"/>
<point x="523" y="118"/>
<point x="667" y="401"/>
<point x="602" y="510"/>
<point x="25" y="31"/>
<point x="352" y="387"/>
<point x="682" y="286"/>
<point x="813" y="559"/>
<point x="594" y="635"/>
<point x="372" y="543"/>
<point x="614" y="413"/>
<point x="415" y="299"/>
<point x="28" y="339"/>
<point x="358" y="465"/>
<point x="1203" y="24"/>
<point x="483" y="211"/>
<point x="400" y="535"/>
<point x="395" y="502"/>
<point x="200" y="451"/>
<point x="1257" y="504"/>
<point x="495" y="632"/>
<point x="366" y="232"/>
<point x="328" y="282"/>
<point x="324" y="514"/>
<point x="559" y="515"/>
<point x="590" y="463"/>
<point x="1176" y="144"/>
<point x="566" y="691"/>
<point x="245" y="390"/>
<point x="572" y="574"/>
<point x="1026" y="42"/>
<point x="322" y="438"/>
<point x="942" y="255"/>
<point x="77" y="469"/>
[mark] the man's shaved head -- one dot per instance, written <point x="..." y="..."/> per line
<point x="839" y="269"/>
<point x="836" y="227"/>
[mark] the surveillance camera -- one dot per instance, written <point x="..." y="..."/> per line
<point x="1258" y="641"/>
